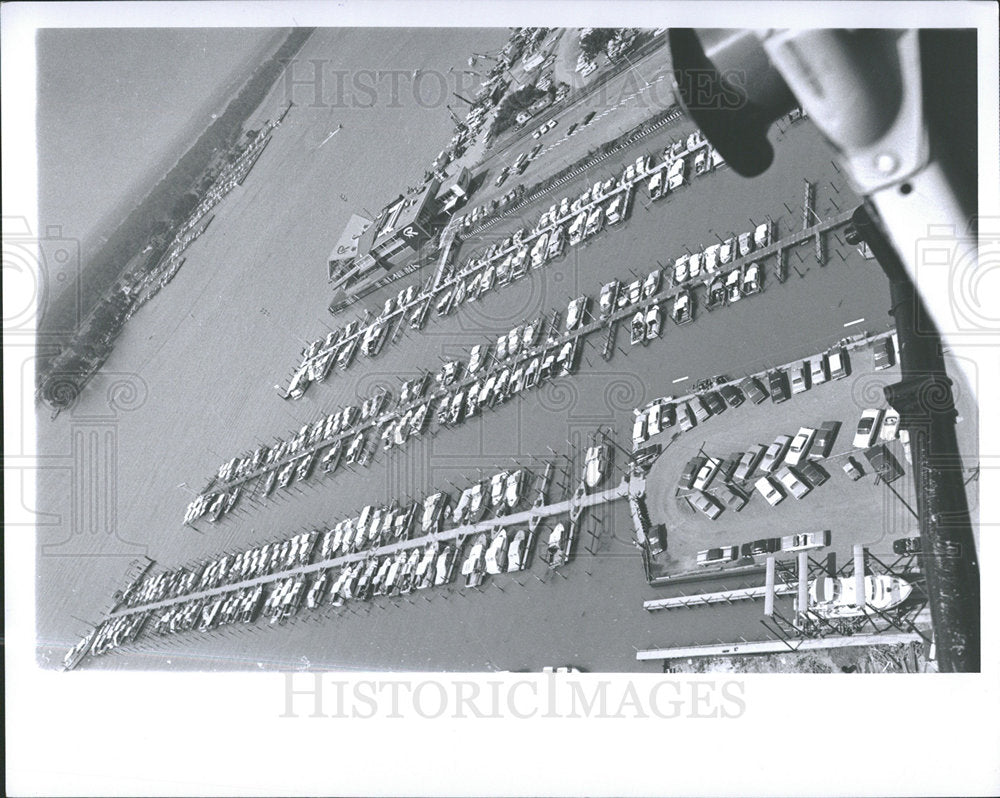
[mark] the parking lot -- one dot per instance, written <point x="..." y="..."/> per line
<point x="865" y="511"/>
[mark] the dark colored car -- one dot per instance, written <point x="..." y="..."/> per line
<point x="588" y="118"/>
<point x="534" y="151"/>
<point x="690" y="472"/>
<point x="715" y="403"/>
<point x="728" y="465"/>
<point x="778" y="383"/>
<point x="644" y="458"/>
<point x="813" y="473"/>
<point x="657" y="539"/>
<point x="571" y="129"/>
<point x="906" y="546"/>
<point x="762" y="546"/>
<point x="823" y="442"/>
<point x="885" y="465"/>
<point x="884" y="353"/>
<point x="734" y="498"/>
<point x="702" y="411"/>
<point x="668" y="416"/>
<point x="733" y="395"/>
<point x="751" y="387"/>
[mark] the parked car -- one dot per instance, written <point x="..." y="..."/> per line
<point x="825" y="437"/>
<point x="800" y="377"/>
<point x="718" y="556"/>
<point x="639" y="431"/>
<point x="805" y="541"/>
<point x="906" y="546"/>
<point x="778" y="383"/>
<point x="890" y="425"/>
<point x="761" y="546"/>
<point x="852" y="469"/>
<point x="815" y="474"/>
<point x="800" y="445"/>
<point x="884" y="353"/>
<point x="715" y="403"/>
<point x="690" y="472"/>
<point x="706" y="473"/>
<point x="775" y="453"/>
<point x="701" y="409"/>
<point x="769" y="489"/>
<point x="687" y="420"/>
<point x="885" y="465"/>
<point x="734" y="498"/>
<point x="792" y="483"/>
<point x="751" y="387"/>
<point x="733" y="395"/>
<point x="748" y="463"/>
<point x="868" y="427"/>
<point x="707" y="503"/>
<point x="838" y="363"/>
<point x="818" y="370"/>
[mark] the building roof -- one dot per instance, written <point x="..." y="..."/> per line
<point x="347" y="245"/>
<point x="404" y="211"/>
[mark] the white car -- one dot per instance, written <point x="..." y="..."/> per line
<point x="707" y="473"/>
<point x="639" y="430"/>
<point x="890" y="426"/>
<point x="792" y="483"/>
<point x="868" y="428"/>
<point x="769" y="490"/>
<point x="800" y="445"/>
<point x="654" y="418"/>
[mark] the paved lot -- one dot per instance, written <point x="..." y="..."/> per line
<point x="855" y="512"/>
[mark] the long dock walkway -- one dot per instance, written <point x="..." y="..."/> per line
<point x="572" y="506"/>
<point x="777" y="646"/>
